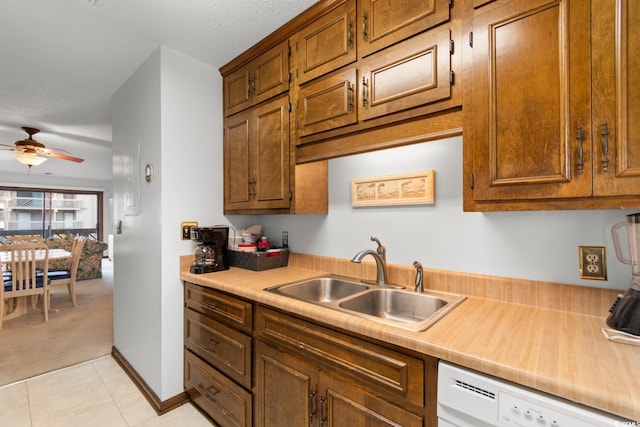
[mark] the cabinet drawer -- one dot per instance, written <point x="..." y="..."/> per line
<point x="398" y="376"/>
<point x="327" y="103"/>
<point x="226" y="402"/>
<point x="226" y="349"/>
<point x="224" y="308"/>
<point x="383" y="23"/>
<point x="413" y="73"/>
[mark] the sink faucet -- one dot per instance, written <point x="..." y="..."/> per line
<point x="379" y="256"/>
<point x="419" y="280"/>
<point x="382" y="251"/>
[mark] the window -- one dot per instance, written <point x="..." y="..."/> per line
<point x="50" y="212"/>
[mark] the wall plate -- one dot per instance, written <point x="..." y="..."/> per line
<point x="593" y="262"/>
<point x="185" y="229"/>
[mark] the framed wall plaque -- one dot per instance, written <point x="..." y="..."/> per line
<point x="404" y="189"/>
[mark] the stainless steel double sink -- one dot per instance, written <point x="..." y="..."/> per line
<point x="387" y="304"/>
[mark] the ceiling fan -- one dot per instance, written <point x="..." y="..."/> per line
<point x="33" y="153"/>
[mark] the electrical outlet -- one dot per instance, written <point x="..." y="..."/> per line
<point x="185" y="228"/>
<point x="593" y="262"/>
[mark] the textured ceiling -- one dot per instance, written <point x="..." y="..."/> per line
<point x="61" y="60"/>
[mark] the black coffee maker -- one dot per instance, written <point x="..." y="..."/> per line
<point x="211" y="254"/>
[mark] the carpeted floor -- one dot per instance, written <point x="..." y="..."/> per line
<point x="30" y="347"/>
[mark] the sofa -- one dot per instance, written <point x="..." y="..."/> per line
<point x="90" y="265"/>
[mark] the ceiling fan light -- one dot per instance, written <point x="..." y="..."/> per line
<point x="29" y="159"/>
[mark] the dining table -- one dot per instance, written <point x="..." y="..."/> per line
<point x="21" y="306"/>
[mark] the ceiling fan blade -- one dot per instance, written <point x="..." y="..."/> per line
<point x="12" y="147"/>
<point x="59" y="154"/>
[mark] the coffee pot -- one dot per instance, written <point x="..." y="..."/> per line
<point x="625" y="312"/>
<point x="211" y="253"/>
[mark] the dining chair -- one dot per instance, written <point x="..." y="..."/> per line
<point x="67" y="276"/>
<point x="24" y="279"/>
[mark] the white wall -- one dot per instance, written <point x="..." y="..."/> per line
<point x="539" y="245"/>
<point x="191" y="187"/>
<point x="171" y="106"/>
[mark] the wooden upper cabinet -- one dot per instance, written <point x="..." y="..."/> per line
<point x="553" y="106"/>
<point x="326" y="44"/>
<point x="616" y="97"/>
<point x="531" y="94"/>
<point x="383" y="22"/>
<point x="410" y="74"/>
<point x="256" y="157"/>
<point x="261" y="79"/>
<point x="236" y="160"/>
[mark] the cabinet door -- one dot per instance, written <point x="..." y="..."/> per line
<point x="327" y="103"/>
<point x="285" y="390"/>
<point x="383" y="22"/>
<point x="413" y="73"/>
<point x="236" y="160"/>
<point x="270" y="73"/>
<point x="616" y="97"/>
<point x="344" y="405"/>
<point x="326" y="44"/>
<point x="237" y="91"/>
<point x="269" y="174"/>
<point x="531" y="92"/>
<point x="263" y="78"/>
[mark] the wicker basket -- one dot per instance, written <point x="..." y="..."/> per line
<point x="258" y="261"/>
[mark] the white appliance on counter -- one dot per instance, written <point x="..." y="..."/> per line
<point x="469" y="399"/>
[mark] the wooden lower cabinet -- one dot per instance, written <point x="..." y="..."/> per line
<point x="224" y="401"/>
<point x="249" y="365"/>
<point x="217" y="355"/>
<point x="291" y="392"/>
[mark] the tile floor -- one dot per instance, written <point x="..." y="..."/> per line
<point x="97" y="393"/>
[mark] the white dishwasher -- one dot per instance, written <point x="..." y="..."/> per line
<point x="469" y="399"/>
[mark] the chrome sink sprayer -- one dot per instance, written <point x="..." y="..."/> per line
<point x="419" y="277"/>
<point x="380" y="256"/>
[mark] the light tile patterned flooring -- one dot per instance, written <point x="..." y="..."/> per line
<point x="96" y="393"/>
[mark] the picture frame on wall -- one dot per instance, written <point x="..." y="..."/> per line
<point x="417" y="188"/>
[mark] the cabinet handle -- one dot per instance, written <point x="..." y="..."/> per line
<point x="349" y="96"/>
<point x="323" y="416"/>
<point x="213" y="342"/>
<point x="350" y="33"/>
<point x="365" y="85"/>
<point x="364" y="24"/>
<point x="312" y="405"/>
<point x="251" y="85"/>
<point x="211" y="391"/>
<point x="605" y="147"/>
<point x="580" y="138"/>
<point x="208" y="304"/>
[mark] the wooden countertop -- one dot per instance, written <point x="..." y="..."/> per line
<point x="558" y="352"/>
